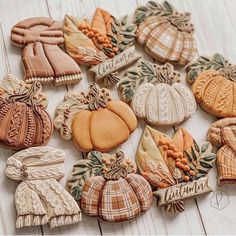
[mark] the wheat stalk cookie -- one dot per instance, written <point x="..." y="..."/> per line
<point x="156" y="95"/>
<point x="43" y="60"/>
<point x="174" y="165"/>
<point x="222" y="134"/>
<point x="213" y="85"/>
<point x="39" y="198"/>
<point x="105" y="43"/>
<point x="93" y="120"/>
<point x="108" y="187"/>
<point x="165" y="33"/>
<point x="24" y="121"/>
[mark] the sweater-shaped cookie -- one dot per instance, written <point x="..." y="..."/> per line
<point x="105" y="43"/>
<point x="42" y="58"/>
<point x="94" y="120"/>
<point x="39" y="198"/>
<point x="155" y="94"/>
<point x="24" y="121"/>
<point x="213" y="85"/>
<point x="175" y="166"/>
<point x="222" y="134"/>
<point x="109" y="188"/>
<point x="165" y="34"/>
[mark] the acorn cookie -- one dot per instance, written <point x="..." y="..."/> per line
<point x="39" y="198"/>
<point x="42" y="58"/>
<point x="94" y="120"/>
<point x="105" y="43"/>
<point x="155" y="94"/>
<point x="222" y="134"/>
<point x="24" y="121"/>
<point x="213" y="85"/>
<point x="165" y="34"/>
<point x="108" y="187"/>
<point x="174" y="165"/>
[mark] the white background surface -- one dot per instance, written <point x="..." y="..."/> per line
<point x="215" y="31"/>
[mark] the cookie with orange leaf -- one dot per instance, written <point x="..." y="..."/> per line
<point x="175" y="166"/>
<point x="105" y="41"/>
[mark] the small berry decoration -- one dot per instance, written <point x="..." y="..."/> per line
<point x="174" y="165"/>
<point x="108" y="187"/>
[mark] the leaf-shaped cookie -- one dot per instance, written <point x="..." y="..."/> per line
<point x="78" y="45"/>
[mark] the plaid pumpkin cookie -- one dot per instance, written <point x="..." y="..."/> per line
<point x="165" y="34"/>
<point x="109" y="188"/>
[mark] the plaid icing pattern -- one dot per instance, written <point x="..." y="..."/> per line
<point x="142" y="189"/>
<point x="164" y="42"/>
<point x="226" y="164"/>
<point x="90" y="195"/>
<point x="118" y="202"/>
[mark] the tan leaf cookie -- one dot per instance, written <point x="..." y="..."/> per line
<point x="42" y="58"/>
<point x="39" y="198"/>
<point x="213" y="85"/>
<point x="24" y="121"/>
<point x="166" y="34"/>
<point x="156" y="95"/>
<point x="109" y="188"/>
<point x="174" y="165"/>
<point x="222" y="134"/>
<point x="104" y="42"/>
<point x="94" y="120"/>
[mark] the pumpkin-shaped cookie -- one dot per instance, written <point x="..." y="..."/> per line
<point x="94" y="120"/>
<point x="23" y="120"/>
<point x="99" y="42"/>
<point x="222" y="134"/>
<point x="156" y="95"/>
<point x="109" y="188"/>
<point x="213" y="85"/>
<point x="165" y="34"/>
<point x="179" y="161"/>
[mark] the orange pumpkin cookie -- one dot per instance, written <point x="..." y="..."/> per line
<point x="173" y="165"/>
<point x="94" y="120"/>
<point x="165" y="34"/>
<point x="102" y="42"/>
<point x="24" y="121"/>
<point x="109" y="188"/>
<point x="213" y="85"/>
<point x="42" y="58"/>
<point x="222" y="134"/>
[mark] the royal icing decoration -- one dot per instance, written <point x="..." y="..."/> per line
<point x="165" y="34"/>
<point x="42" y="58"/>
<point x="108" y="187"/>
<point x="106" y="42"/>
<point x="175" y="166"/>
<point x="39" y="198"/>
<point x="24" y="121"/>
<point x="94" y="120"/>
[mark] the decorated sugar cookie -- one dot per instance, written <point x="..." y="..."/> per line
<point x="213" y="85"/>
<point x="174" y="165"/>
<point x="94" y="120"/>
<point x="166" y="34"/>
<point x="222" y="134"/>
<point x="156" y="95"/>
<point x="39" y="198"/>
<point x="109" y="188"/>
<point x="42" y="58"/>
<point x="105" y="43"/>
<point x="24" y="121"/>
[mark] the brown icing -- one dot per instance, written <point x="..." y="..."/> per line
<point x="42" y="58"/>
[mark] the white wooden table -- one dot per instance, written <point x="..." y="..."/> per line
<point x="215" y="24"/>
